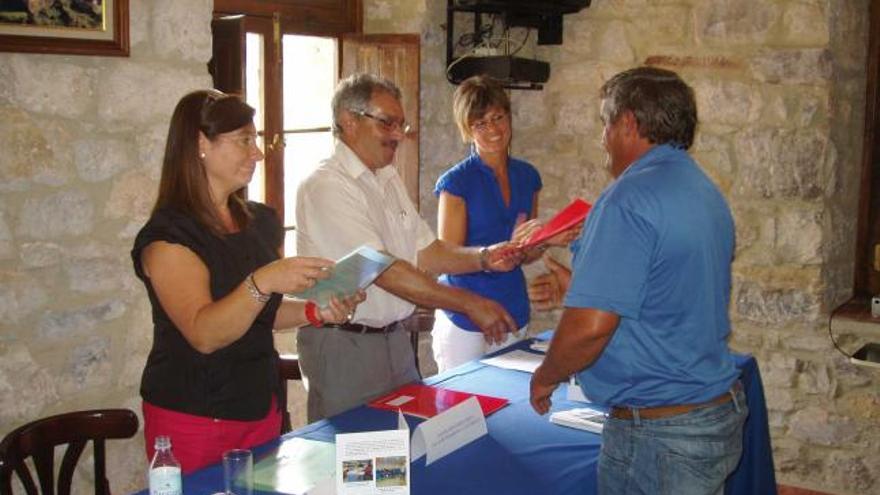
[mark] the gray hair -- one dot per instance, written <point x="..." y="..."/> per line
<point x="662" y="103"/>
<point x="355" y="92"/>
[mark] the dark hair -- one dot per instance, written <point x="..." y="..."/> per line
<point x="184" y="182"/>
<point x="355" y="92"/>
<point x="663" y="104"/>
<point x="473" y="98"/>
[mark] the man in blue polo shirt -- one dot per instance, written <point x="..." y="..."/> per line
<point x="646" y="321"/>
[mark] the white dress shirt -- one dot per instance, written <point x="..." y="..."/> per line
<point x="343" y="205"/>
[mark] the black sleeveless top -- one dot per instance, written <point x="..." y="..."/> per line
<point x="236" y="382"/>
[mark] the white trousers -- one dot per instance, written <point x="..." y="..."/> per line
<point x="453" y="345"/>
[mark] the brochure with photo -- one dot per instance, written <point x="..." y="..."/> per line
<point x="373" y="462"/>
<point x="356" y="270"/>
<point x="425" y="401"/>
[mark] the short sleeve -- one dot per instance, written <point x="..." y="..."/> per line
<point x="168" y="226"/>
<point x="612" y="260"/>
<point x="452" y="182"/>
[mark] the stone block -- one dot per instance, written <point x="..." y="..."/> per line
<point x="40" y="254"/>
<point x="805" y="24"/>
<point x="35" y="151"/>
<point x="60" y="324"/>
<point x="131" y="195"/>
<point x="64" y="213"/>
<point x="800" y="107"/>
<point x="181" y="31"/>
<point x="130" y="99"/>
<point x="773" y="305"/>
<point x="810" y="66"/>
<point x="780" y="400"/>
<point x="88" y="367"/>
<point x="780" y="370"/>
<point x="848" y="470"/>
<point x="733" y="22"/>
<point x="20" y="297"/>
<point x="861" y="405"/>
<point x="816" y="425"/>
<point x="26" y="388"/>
<point x="98" y="159"/>
<point x="94" y="276"/>
<point x="35" y="86"/>
<point x="780" y="163"/>
<point x="800" y="234"/>
<point x="727" y="102"/>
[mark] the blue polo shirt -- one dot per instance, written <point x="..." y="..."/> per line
<point x="489" y="221"/>
<point x="656" y="250"/>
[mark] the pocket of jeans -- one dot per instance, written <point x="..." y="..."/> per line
<point x="681" y="474"/>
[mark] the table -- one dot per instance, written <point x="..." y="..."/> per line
<point x="523" y="453"/>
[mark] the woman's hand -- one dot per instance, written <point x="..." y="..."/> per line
<point x="342" y="310"/>
<point x="292" y="275"/>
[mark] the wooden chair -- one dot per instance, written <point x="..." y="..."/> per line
<point x="288" y="369"/>
<point x="37" y="440"/>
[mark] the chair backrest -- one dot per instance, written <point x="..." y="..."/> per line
<point x="37" y="440"/>
<point x="288" y="369"/>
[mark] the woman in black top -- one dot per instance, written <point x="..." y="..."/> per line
<point x="215" y="275"/>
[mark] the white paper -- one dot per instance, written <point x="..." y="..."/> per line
<point x="372" y="462"/>
<point x="449" y="431"/>
<point x="574" y="392"/>
<point x="516" y="360"/>
<point x="399" y="401"/>
<point x="540" y="345"/>
<point x="582" y="418"/>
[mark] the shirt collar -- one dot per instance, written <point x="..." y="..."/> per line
<point x="657" y="152"/>
<point x="355" y="167"/>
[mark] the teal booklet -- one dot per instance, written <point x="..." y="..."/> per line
<point x="356" y="270"/>
<point x="295" y="467"/>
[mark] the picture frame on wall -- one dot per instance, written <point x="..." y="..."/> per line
<point x="72" y="27"/>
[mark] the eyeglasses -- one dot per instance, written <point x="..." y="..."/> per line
<point x="388" y="124"/>
<point x="483" y="125"/>
<point x="245" y="141"/>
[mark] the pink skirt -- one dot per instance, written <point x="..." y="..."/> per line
<point x="198" y="441"/>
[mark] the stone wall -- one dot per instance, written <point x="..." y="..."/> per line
<point x="780" y="88"/>
<point x="780" y="85"/>
<point x="81" y="142"/>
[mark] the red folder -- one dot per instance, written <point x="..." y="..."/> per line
<point x="426" y="401"/>
<point x="568" y="217"/>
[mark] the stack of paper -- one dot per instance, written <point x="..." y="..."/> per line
<point x="582" y="418"/>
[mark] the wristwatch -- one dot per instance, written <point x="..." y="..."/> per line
<point x="484" y="259"/>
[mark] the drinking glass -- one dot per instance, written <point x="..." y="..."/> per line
<point x="238" y="472"/>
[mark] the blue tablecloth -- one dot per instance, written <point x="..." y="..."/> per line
<point x="523" y="453"/>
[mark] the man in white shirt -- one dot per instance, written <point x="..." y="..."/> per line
<point x="354" y="198"/>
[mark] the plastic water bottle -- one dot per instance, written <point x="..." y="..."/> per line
<point x="164" y="470"/>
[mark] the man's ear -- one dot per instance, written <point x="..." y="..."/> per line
<point x="630" y="124"/>
<point x="347" y="121"/>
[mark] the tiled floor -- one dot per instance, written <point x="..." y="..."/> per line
<point x="791" y="490"/>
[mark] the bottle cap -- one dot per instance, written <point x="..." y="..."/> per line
<point x="163" y="442"/>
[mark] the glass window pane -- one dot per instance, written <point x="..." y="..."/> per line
<point x="302" y="153"/>
<point x="255" y="97"/>
<point x="309" y="80"/>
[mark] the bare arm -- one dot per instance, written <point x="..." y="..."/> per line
<point x="452" y="219"/>
<point x="406" y="281"/>
<point x="579" y="339"/>
<point x="182" y="284"/>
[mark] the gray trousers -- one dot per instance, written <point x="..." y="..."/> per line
<point x="342" y="370"/>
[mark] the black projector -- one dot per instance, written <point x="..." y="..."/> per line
<point x="508" y="69"/>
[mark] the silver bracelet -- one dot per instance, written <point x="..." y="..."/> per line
<point x="254" y="291"/>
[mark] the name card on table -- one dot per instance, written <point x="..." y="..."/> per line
<point x="449" y="431"/>
<point x="372" y="463"/>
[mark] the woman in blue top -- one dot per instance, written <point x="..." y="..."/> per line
<point x="483" y="200"/>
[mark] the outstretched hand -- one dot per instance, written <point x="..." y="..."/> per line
<point x="292" y="275"/>
<point x="547" y="291"/>
<point x="342" y="310"/>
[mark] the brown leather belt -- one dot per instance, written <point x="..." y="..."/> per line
<point x="674" y="410"/>
<point x="358" y="328"/>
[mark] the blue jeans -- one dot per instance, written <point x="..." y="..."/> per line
<point x="686" y="454"/>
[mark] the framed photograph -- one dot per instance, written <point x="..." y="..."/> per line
<point x="73" y="27"/>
